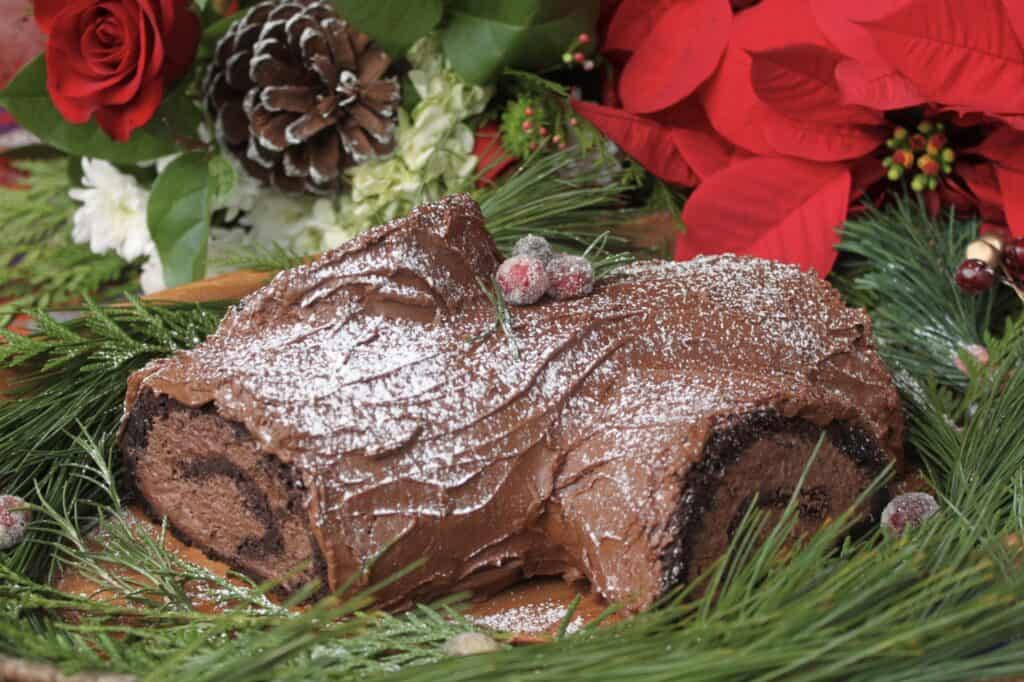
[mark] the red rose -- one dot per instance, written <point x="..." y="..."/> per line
<point x="114" y="58"/>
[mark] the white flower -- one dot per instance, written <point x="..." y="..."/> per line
<point x="242" y="195"/>
<point x="152" y="277"/>
<point x="112" y="216"/>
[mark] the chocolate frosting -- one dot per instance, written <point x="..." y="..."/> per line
<point x="562" y="450"/>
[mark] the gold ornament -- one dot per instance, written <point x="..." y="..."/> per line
<point x="984" y="250"/>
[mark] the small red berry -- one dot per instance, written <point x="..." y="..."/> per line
<point x="928" y="165"/>
<point x="579" y="57"/>
<point x="1013" y="256"/>
<point x="979" y="353"/>
<point x="543" y="131"/>
<point x="527" y="125"/>
<point x="556" y="139"/>
<point x="574" y="121"/>
<point x="528" y="111"/>
<point x="583" y="38"/>
<point x="523" y="280"/>
<point x="975" y="276"/>
<point x="908" y="511"/>
<point x="13" y="521"/>
<point x="904" y="157"/>
<point x="935" y="143"/>
<point x="569" y="277"/>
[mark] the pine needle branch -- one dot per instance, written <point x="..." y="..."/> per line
<point x="903" y="274"/>
<point x="69" y="383"/>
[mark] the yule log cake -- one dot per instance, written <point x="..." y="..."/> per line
<point x="355" y="414"/>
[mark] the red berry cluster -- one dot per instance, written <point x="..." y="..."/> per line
<point x="989" y="258"/>
<point x="534" y="270"/>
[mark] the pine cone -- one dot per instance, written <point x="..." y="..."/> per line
<point x="299" y="95"/>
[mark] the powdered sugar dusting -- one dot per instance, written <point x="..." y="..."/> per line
<point x="529" y="618"/>
<point x="372" y="372"/>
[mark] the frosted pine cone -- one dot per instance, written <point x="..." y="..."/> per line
<point x="299" y="95"/>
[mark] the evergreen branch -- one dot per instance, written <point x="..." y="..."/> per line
<point x="70" y="384"/>
<point x="262" y="258"/>
<point x="904" y="276"/>
<point x="40" y="209"/>
<point x="42" y="267"/>
<point x="562" y="197"/>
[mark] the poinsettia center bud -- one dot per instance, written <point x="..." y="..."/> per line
<point x="927" y="149"/>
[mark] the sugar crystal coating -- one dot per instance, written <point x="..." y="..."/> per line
<point x="534" y="246"/>
<point x="569" y="277"/>
<point x="908" y="510"/>
<point x="13" y="521"/>
<point x="523" y="280"/>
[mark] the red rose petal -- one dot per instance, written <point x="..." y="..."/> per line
<point x="46" y="11"/>
<point x="799" y="81"/>
<point x="181" y="40"/>
<point x="878" y="88"/>
<point x="959" y="52"/>
<point x="120" y="121"/>
<point x="676" y="56"/>
<point x="644" y="139"/>
<point x="783" y="209"/>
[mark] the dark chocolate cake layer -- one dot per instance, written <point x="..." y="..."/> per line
<point x="356" y="414"/>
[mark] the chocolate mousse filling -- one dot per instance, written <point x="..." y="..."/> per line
<point x="360" y="413"/>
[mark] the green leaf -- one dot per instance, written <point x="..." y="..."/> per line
<point x="394" y="24"/>
<point x="179" y="218"/>
<point x="213" y="33"/>
<point x="28" y="101"/>
<point x="481" y="39"/>
<point x="178" y="115"/>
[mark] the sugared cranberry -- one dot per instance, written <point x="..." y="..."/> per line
<point x="534" y="246"/>
<point x="523" y="280"/>
<point x="569" y="277"/>
<point x="1013" y="256"/>
<point x="975" y="276"/>
<point x="979" y="353"/>
<point x="13" y="521"/>
<point x="908" y="510"/>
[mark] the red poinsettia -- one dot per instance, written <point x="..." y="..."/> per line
<point x="778" y="113"/>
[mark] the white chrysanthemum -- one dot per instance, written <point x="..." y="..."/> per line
<point x="112" y="216"/>
<point x="242" y="195"/>
<point x="152" y="277"/>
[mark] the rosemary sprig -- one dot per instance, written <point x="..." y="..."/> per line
<point x="502" y="316"/>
